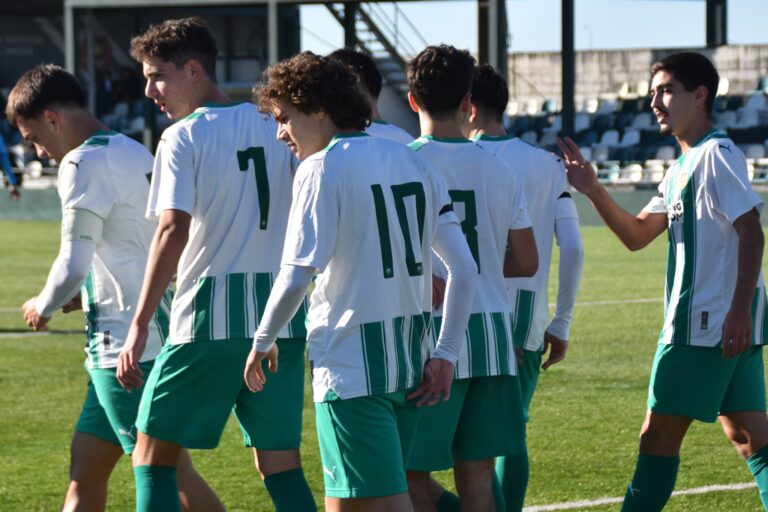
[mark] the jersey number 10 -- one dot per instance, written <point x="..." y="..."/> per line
<point x="399" y="193"/>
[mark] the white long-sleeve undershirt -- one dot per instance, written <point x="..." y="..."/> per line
<point x="284" y="301"/>
<point x="569" y="272"/>
<point x="66" y="277"/>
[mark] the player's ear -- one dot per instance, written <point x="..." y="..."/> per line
<point x="472" y="118"/>
<point x="52" y="118"/>
<point x="412" y="102"/>
<point x="194" y="70"/>
<point x="466" y="102"/>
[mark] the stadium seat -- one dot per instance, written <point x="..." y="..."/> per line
<point x="122" y="109"/>
<point x="599" y="154"/>
<point x="624" y="91"/>
<point x="631" y="105"/>
<point x="556" y="126"/>
<point x="601" y="122"/>
<point x="609" y="138"/>
<point x="624" y="154"/>
<point x="520" y="124"/>
<point x="549" y="106"/>
<point x="762" y="84"/>
<point x="590" y="105"/>
<point x="608" y="104"/>
<point x="755" y="101"/>
<point x="580" y="122"/>
<point x="653" y="170"/>
<point x="748" y="118"/>
<point x="531" y="106"/>
<point x="631" y="137"/>
<point x="137" y="125"/>
<point x="726" y="119"/>
<point x="548" y="139"/>
<point x="631" y="172"/>
<point x="666" y="153"/>
<point x="755" y="151"/>
<point x="623" y="119"/>
<point x="734" y="102"/>
<point x="530" y="136"/>
<point x="608" y="172"/>
<point x="587" y="138"/>
<point x="586" y="152"/>
<point x="643" y="121"/>
<point x="513" y="108"/>
<point x="643" y="88"/>
<point x="723" y="86"/>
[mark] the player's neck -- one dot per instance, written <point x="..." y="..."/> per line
<point x="492" y="129"/>
<point x="84" y="126"/>
<point x="691" y="136"/>
<point x="210" y="94"/>
<point x="375" y="114"/>
<point x="448" y="128"/>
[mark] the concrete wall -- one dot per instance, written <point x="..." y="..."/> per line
<point x="538" y="75"/>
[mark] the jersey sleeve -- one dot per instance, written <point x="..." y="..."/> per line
<point x="173" y="175"/>
<point x="85" y="184"/>
<point x="518" y="212"/>
<point x="728" y="182"/>
<point x="657" y="203"/>
<point x="313" y="222"/>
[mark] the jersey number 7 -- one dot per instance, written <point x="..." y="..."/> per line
<point x="262" y="180"/>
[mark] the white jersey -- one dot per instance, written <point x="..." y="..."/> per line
<point x="702" y="194"/>
<point x="383" y="129"/>
<point x="108" y="176"/>
<point x="542" y="176"/>
<point x="224" y="166"/>
<point x="489" y="201"/>
<point x="365" y="211"/>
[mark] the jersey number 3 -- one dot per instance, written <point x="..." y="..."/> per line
<point x="399" y="193"/>
<point x="262" y="180"/>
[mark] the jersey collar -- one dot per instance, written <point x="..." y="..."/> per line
<point x="441" y="139"/>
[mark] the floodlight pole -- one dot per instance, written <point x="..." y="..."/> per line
<point x="568" y="68"/>
<point x="350" y="32"/>
<point x="717" y="23"/>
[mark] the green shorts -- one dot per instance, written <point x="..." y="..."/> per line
<point x="483" y="419"/>
<point x="698" y="382"/>
<point x="194" y="386"/>
<point x="109" y="411"/>
<point x="529" y="371"/>
<point x="364" y="443"/>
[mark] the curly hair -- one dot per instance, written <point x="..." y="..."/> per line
<point x="439" y="77"/>
<point x="178" y="41"/>
<point x="489" y="91"/>
<point x="312" y="84"/>
<point x="42" y="87"/>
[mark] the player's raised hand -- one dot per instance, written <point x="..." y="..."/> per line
<point x="436" y="383"/>
<point x="737" y="332"/>
<point x="129" y="373"/>
<point x="580" y="172"/>
<point x="557" y="349"/>
<point x="32" y="317"/>
<point x="254" y="370"/>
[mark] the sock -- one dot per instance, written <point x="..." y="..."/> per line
<point x="758" y="465"/>
<point x="651" y="484"/>
<point x="512" y="476"/>
<point x="156" y="489"/>
<point x="448" y="502"/>
<point x="290" y="492"/>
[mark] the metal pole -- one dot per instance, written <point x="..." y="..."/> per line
<point x="272" y="28"/>
<point x="350" y="32"/>
<point x="568" y="68"/>
<point x="69" y="38"/>
<point x="91" y="68"/>
<point x="717" y="23"/>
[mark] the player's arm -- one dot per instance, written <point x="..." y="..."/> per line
<point x="521" y="258"/>
<point x="570" y="268"/>
<point x="635" y="232"/>
<point x="737" y="328"/>
<point x="284" y="301"/>
<point x="168" y="243"/>
<point x="80" y="234"/>
<point x="451" y="246"/>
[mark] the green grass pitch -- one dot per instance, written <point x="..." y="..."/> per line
<point x="582" y="435"/>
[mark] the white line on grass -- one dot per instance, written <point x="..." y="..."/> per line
<point x="572" y="505"/>
<point x="26" y="334"/>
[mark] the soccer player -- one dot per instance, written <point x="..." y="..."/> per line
<point x="104" y="243"/>
<point x="709" y="361"/>
<point x="221" y="188"/>
<point x="371" y="81"/>
<point x="365" y="213"/>
<point x="466" y="433"/>
<point x="552" y="212"/>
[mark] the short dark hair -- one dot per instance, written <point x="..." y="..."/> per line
<point x="178" y="41"/>
<point x="489" y="91"/>
<point x="311" y="84"/>
<point x="362" y="64"/>
<point x="40" y="88"/>
<point x="692" y="70"/>
<point x="439" y="77"/>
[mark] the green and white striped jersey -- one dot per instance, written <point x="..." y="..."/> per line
<point x="365" y="211"/>
<point x="489" y="202"/>
<point x="702" y="194"/>
<point x="542" y="176"/>
<point x="107" y="175"/>
<point x="223" y="165"/>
